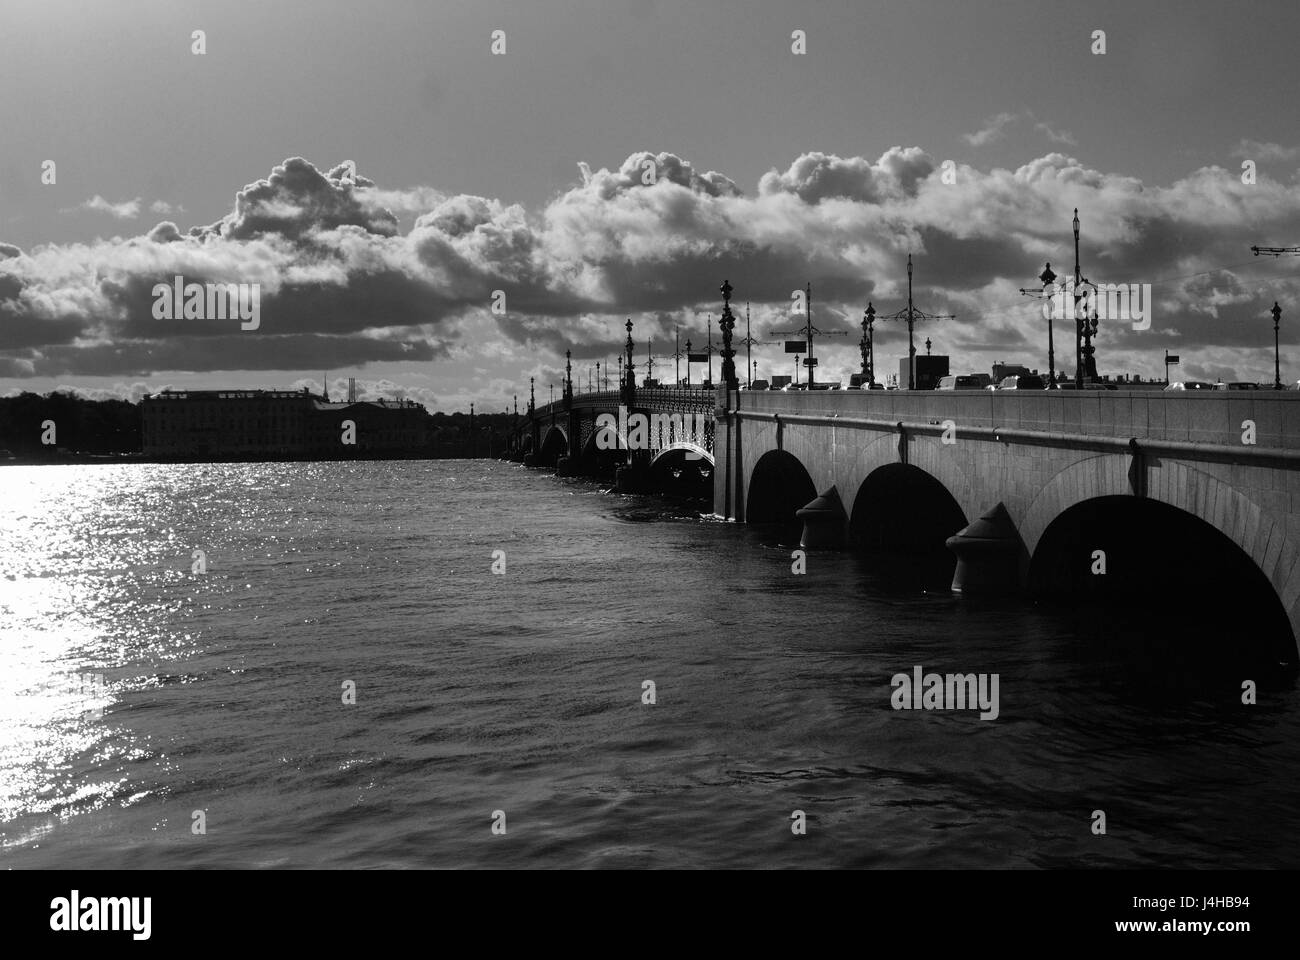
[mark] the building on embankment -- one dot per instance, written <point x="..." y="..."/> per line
<point x="279" y="425"/>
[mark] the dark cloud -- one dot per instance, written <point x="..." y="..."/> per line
<point x="232" y="352"/>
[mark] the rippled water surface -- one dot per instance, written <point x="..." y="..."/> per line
<point x="222" y="692"/>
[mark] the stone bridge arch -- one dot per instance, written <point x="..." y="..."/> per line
<point x="854" y="455"/>
<point x="590" y="448"/>
<point x="555" y="444"/>
<point x="702" y="455"/>
<point x="902" y="506"/>
<point x="1262" y="536"/>
<point x="778" y="484"/>
<point x="946" y="463"/>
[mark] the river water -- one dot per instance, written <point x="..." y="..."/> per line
<point x="522" y="692"/>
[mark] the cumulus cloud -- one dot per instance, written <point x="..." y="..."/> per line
<point x="343" y="283"/>
<point x="297" y="199"/>
<point x="818" y="176"/>
<point x="122" y="210"/>
<point x="337" y="284"/>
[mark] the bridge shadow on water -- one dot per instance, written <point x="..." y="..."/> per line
<point x="1162" y="601"/>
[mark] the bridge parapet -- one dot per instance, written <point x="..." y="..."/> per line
<point x="666" y="399"/>
<point x="1199" y="417"/>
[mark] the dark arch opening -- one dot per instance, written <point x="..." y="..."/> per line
<point x="554" y="446"/>
<point x="779" y="486"/>
<point x="1179" y="605"/>
<point x="902" y="517"/>
<point x="676" y="474"/>
<point x="601" y="464"/>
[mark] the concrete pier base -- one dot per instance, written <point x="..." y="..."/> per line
<point x="632" y="477"/>
<point x="824" y="521"/>
<point x="988" y="554"/>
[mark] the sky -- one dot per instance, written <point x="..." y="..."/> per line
<point x="379" y="173"/>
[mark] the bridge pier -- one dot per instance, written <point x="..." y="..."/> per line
<point x="633" y="476"/>
<point x="729" y="474"/>
<point x="824" y="522"/>
<point x="988" y="555"/>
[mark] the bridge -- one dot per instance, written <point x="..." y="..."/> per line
<point x="645" y="439"/>
<point x="1053" y="491"/>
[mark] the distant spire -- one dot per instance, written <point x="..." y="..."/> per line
<point x="325" y="386"/>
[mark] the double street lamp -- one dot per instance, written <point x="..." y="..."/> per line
<point x="1048" y="279"/>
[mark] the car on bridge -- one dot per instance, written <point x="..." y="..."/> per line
<point x="795" y="386"/>
<point x="757" y="385"/>
<point x="971" y="382"/>
<point x="1190" y="385"/>
<point x="1022" y="381"/>
<point x="858" y="381"/>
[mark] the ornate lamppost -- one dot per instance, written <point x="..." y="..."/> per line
<point x="1085" y="320"/>
<point x="1277" y="358"/>
<point x="629" y="369"/>
<point x="1048" y="279"/>
<point x="727" y="323"/>
<point x="867" y="346"/>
